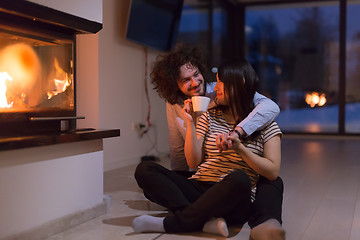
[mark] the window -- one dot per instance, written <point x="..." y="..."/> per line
<point x="204" y="24"/>
<point x="295" y="51"/>
<point x="298" y="50"/>
<point x="352" y="92"/>
<point x="219" y="34"/>
<point x="194" y="24"/>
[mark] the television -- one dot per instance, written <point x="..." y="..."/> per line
<point x="154" y="23"/>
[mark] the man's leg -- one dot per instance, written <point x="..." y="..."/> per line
<point x="165" y="187"/>
<point x="265" y="219"/>
<point x="186" y="174"/>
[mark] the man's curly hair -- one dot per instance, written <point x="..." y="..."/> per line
<point x="166" y="71"/>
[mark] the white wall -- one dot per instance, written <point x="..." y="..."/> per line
<point x="111" y="90"/>
<point x="87" y="84"/>
<point x="122" y="98"/>
<point x="42" y="184"/>
<point x="110" y="83"/>
<point x="111" y="94"/>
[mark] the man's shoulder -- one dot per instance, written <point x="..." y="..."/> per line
<point x="173" y="111"/>
<point x="173" y="106"/>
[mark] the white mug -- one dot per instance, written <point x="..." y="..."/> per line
<point x="200" y="103"/>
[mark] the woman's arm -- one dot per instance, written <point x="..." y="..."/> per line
<point x="193" y="142"/>
<point x="267" y="166"/>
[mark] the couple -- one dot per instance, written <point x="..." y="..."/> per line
<point x="236" y="174"/>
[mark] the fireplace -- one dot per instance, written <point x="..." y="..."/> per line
<point x="51" y="174"/>
<point x="38" y="70"/>
<point x="36" y="82"/>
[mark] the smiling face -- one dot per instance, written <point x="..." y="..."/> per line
<point x="191" y="81"/>
<point x="221" y="96"/>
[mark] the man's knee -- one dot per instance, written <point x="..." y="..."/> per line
<point x="239" y="181"/>
<point x="143" y="170"/>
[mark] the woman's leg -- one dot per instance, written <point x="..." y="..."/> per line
<point x="165" y="187"/>
<point x="268" y="201"/>
<point x="265" y="219"/>
<point x="229" y="198"/>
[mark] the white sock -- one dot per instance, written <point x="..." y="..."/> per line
<point x="147" y="223"/>
<point x="268" y="230"/>
<point x="216" y="226"/>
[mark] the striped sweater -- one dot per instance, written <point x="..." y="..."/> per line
<point x="215" y="165"/>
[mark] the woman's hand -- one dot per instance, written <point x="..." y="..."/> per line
<point x="223" y="142"/>
<point x="187" y="110"/>
<point x="228" y="141"/>
<point x="236" y="145"/>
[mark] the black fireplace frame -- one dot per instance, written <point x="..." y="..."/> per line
<point x="31" y="19"/>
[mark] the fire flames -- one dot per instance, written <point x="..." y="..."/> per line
<point x="4" y="76"/>
<point x="22" y="83"/>
<point x="20" y="68"/>
<point x="60" y="84"/>
<point x="315" y="99"/>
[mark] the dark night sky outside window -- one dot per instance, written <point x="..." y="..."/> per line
<point x="294" y="49"/>
<point x="304" y="52"/>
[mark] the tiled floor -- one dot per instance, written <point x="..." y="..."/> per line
<point x="321" y="199"/>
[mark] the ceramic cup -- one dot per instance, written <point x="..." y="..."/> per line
<point x="200" y="103"/>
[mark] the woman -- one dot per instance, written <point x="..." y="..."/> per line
<point x="224" y="184"/>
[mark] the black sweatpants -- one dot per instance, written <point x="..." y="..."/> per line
<point x="268" y="201"/>
<point x="195" y="202"/>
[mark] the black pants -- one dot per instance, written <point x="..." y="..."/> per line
<point x="268" y="201"/>
<point x="195" y="202"/>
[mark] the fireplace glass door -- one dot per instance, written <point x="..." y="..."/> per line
<point x="36" y="74"/>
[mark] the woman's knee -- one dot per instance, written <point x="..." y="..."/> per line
<point x="277" y="184"/>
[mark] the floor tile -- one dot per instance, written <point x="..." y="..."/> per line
<point x="321" y="198"/>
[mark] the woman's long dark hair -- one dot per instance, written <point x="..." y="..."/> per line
<point x="240" y="84"/>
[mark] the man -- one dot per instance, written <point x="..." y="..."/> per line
<point x="183" y="73"/>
